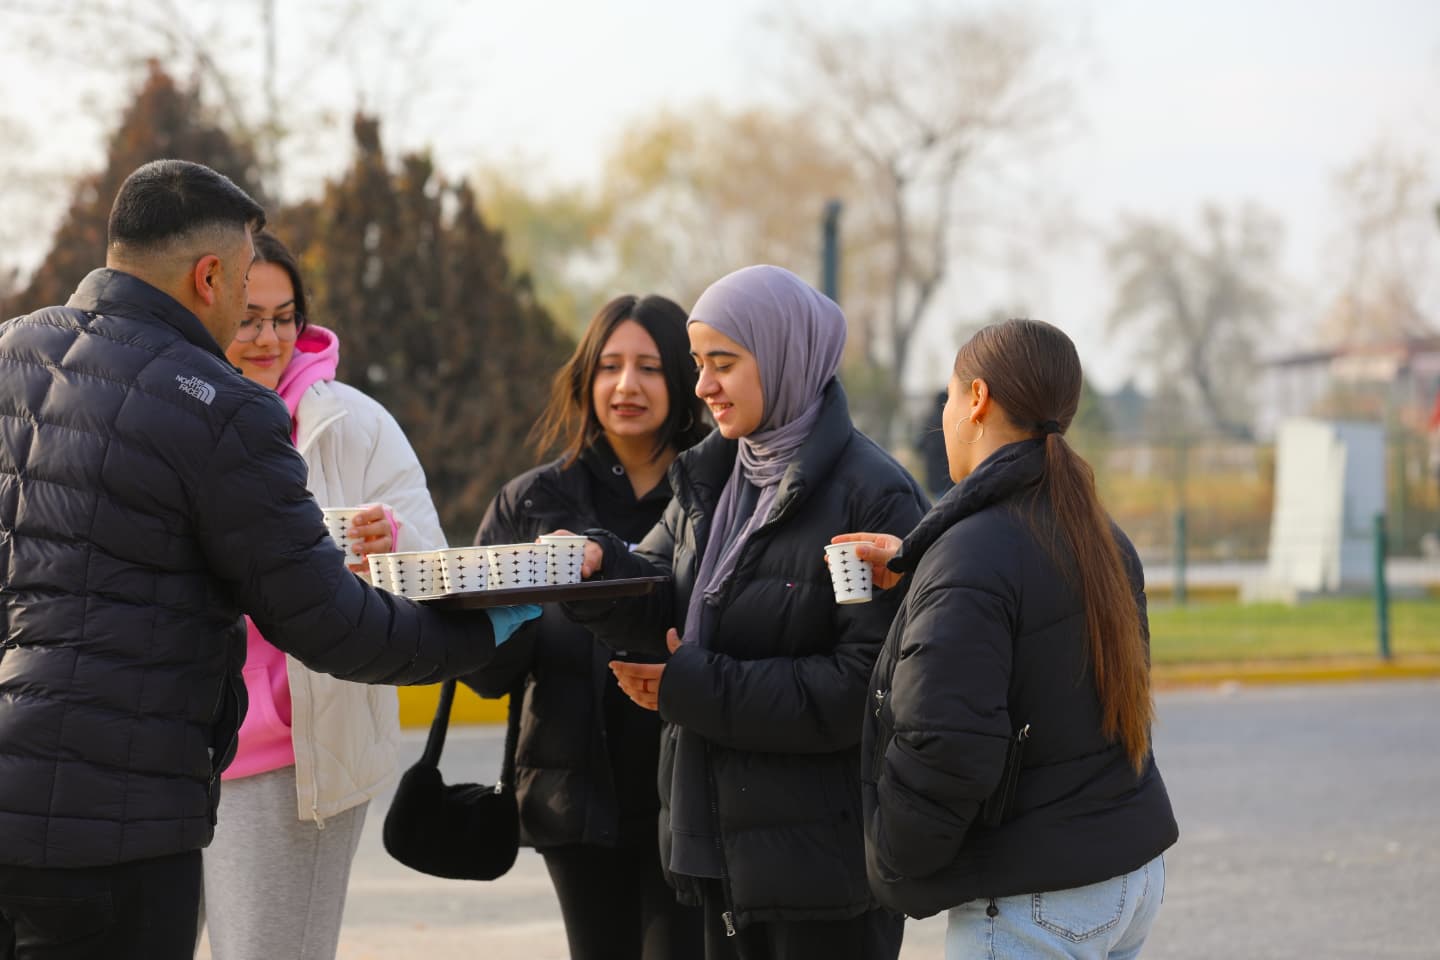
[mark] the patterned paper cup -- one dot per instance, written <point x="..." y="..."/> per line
<point x="462" y="569"/>
<point x="417" y="573"/>
<point x="517" y="565"/>
<point x="848" y="573"/>
<point x="565" y="554"/>
<point x="382" y="571"/>
<point x="337" y="521"/>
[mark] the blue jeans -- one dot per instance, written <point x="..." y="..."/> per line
<point x="1103" y="921"/>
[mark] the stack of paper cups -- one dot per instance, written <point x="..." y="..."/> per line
<point x="416" y="574"/>
<point x="564" y="555"/>
<point x="517" y="565"/>
<point x="462" y="569"/>
<point x="382" y="571"/>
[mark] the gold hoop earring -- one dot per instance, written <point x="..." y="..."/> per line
<point x="977" y="436"/>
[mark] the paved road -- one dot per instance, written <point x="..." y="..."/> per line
<point x="1309" y="819"/>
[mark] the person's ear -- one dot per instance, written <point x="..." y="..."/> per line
<point x="206" y="275"/>
<point x="979" y="400"/>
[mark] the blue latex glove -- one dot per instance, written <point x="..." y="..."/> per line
<point x="506" y="620"/>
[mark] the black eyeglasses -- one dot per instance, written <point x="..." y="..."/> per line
<point x="286" y="328"/>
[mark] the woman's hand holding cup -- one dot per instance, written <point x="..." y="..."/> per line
<point x="594" y="556"/>
<point x="875" y="549"/>
<point x="372" y="527"/>
<point x="360" y="531"/>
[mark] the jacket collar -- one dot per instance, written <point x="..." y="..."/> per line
<point x="107" y="291"/>
<point x="705" y="468"/>
<point x="1014" y="468"/>
<point x="563" y="488"/>
<point x="317" y="410"/>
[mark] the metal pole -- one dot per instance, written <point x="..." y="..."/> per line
<point x="1182" y="470"/>
<point x="1382" y="590"/>
<point x="830" y="250"/>
<point x="1181" y="595"/>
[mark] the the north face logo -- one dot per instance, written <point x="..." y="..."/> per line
<point x="196" y="388"/>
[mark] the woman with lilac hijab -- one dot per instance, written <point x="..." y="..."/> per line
<point x="767" y="677"/>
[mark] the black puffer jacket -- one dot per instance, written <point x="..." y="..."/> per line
<point x="149" y="494"/>
<point x="777" y="697"/>
<point x="576" y="727"/>
<point x="991" y="637"/>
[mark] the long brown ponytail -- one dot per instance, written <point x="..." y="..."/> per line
<point x="1034" y="375"/>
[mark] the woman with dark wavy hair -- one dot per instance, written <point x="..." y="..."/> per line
<point x="620" y="410"/>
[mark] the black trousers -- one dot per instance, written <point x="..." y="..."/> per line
<point x="871" y="936"/>
<point x="144" y="910"/>
<point x="617" y="905"/>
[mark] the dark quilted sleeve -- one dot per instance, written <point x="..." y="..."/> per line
<point x="264" y="536"/>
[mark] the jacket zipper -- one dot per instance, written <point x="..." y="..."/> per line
<point x="882" y="734"/>
<point x="314" y="760"/>
<point x="727" y="916"/>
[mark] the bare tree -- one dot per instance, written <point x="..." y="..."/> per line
<point x="924" y="104"/>
<point x="690" y="197"/>
<point x="261" y="65"/>
<point x="1386" y="249"/>
<point x="1199" y="307"/>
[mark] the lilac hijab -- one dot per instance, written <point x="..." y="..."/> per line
<point x="797" y="335"/>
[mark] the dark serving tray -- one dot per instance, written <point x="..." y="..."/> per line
<point x="585" y="590"/>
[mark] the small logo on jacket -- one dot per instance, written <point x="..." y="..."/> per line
<point x="196" y="388"/>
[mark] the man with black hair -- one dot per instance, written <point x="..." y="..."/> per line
<point x="150" y="495"/>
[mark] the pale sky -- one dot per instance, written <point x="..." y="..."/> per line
<point x="1177" y="104"/>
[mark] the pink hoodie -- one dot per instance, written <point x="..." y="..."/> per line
<point x="265" y="742"/>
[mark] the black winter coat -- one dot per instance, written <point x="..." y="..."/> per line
<point x="991" y="637"/>
<point x="777" y="696"/>
<point x="150" y="494"/>
<point x="566" y="750"/>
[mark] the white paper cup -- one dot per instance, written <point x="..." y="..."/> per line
<point x="337" y="521"/>
<point x="416" y="573"/>
<point x="848" y="573"/>
<point x="382" y="571"/>
<point x="462" y="569"/>
<point x="564" y="555"/>
<point x="517" y="565"/>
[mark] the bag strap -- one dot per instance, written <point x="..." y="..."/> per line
<point x="512" y="734"/>
<point x="441" y="724"/>
<point x="436" y="741"/>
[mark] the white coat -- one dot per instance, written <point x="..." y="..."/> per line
<point x="346" y="735"/>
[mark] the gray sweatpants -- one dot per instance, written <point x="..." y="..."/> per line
<point x="275" y="885"/>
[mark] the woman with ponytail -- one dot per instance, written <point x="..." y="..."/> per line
<point x="1008" y="775"/>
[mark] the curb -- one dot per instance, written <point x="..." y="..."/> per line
<point x="417" y="704"/>
<point x="1258" y="673"/>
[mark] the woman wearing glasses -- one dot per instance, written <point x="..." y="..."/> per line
<point x="313" y="750"/>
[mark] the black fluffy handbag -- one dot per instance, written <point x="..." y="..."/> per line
<point x="460" y="831"/>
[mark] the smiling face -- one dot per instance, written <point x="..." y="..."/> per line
<point x="729" y="381"/>
<point x="629" y="393"/>
<point x="271" y="298"/>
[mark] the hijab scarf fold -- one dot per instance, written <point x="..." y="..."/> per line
<point x="797" y="336"/>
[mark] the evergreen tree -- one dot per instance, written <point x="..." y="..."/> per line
<point x="432" y="322"/>
<point x="166" y="120"/>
